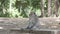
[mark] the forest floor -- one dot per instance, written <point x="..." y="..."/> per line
<point x="49" y="22"/>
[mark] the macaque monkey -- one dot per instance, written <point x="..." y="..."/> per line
<point x="33" y="19"/>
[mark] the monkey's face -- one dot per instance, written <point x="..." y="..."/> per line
<point x="32" y="14"/>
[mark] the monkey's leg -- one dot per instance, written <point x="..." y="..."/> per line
<point x="31" y="25"/>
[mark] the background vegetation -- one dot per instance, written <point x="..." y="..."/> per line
<point x="22" y="8"/>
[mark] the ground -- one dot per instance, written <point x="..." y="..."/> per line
<point x="49" y="23"/>
<point x="23" y="22"/>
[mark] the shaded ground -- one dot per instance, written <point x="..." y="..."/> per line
<point x="49" y="22"/>
<point x="46" y="24"/>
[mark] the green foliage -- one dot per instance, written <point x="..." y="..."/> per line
<point x="22" y="8"/>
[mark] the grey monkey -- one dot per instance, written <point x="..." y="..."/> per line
<point x="33" y="20"/>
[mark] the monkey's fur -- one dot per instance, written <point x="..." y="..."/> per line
<point x="33" y="20"/>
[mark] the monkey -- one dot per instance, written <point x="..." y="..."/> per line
<point x="33" y="20"/>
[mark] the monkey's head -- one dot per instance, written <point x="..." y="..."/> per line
<point x="32" y="13"/>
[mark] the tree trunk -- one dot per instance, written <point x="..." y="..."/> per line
<point x="42" y="8"/>
<point x="49" y="8"/>
<point x="56" y="6"/>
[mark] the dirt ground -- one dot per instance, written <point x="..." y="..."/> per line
<point x="49" y="22"/>
<point x="46" y="24"/>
